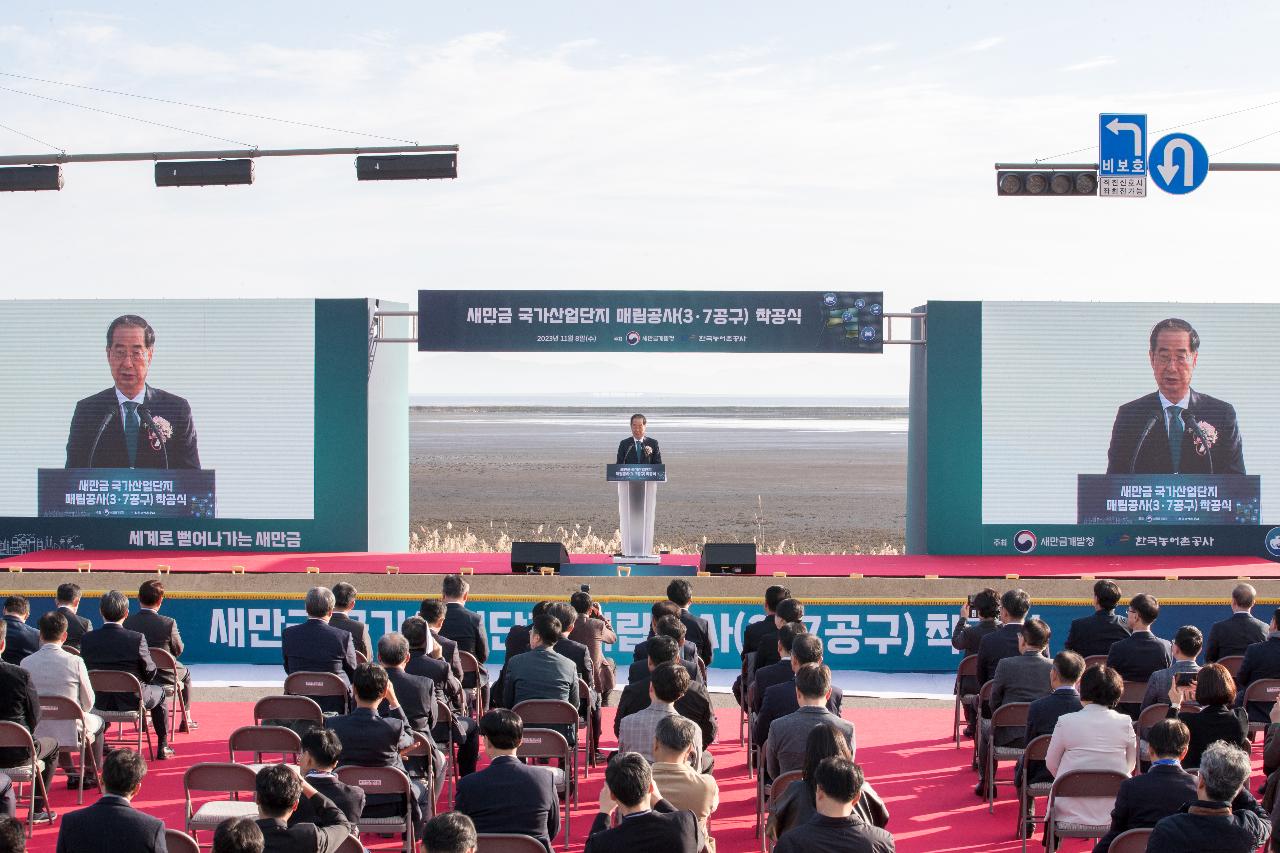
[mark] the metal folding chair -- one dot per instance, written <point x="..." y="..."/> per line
<point x="505" y="843"/>
<point x="1265" y="690"/>
<point x="177" y="841"/>
<point x="549" y="743"/>
<point x="1080" y="783"/>
<point x="221" y="777"/>
<point x="967" y="668"/>
<point x="60" y="708"/>
<point x="1232" y="664"/>
<point x="744" y="680"/>
<point x="588" y="727"/>
<point x="383" y="780"/>
<point x="112" y="681"/>
<point x="980" y="698"/>
<point x="765" y="804"/>
<point x="317" y="684"/>
<point x="272" y="740"/>
<point x="1130" y="841"/>
<point x="1011" y="715"/>
<point x="28" y="773"/>
<point x="1095" y="660"/>
<point x="423" y="747"/>
<point x="292" y="709"/>
<point x="1146" y="721"/>
<point x="476" y="700"/>
<point x="1028" y="790"/>
<point x="178" y="709"/>
<point x="445" y="717"/>
<point x="544" y="713"/>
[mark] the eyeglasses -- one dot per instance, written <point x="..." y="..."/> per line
<point x="121" y="353"/>
<point x="1181" y="359"/>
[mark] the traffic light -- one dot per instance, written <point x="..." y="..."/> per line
<point x="30" y="178"/>
<point x="1047" y="183"/>
<point x="204" y="173"/>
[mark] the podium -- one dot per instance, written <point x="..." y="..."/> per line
<point x="125" y="493"/>
<point x="637" y="500"/>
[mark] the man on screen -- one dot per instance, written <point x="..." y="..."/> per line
<point x="638" y="449"/>
<point x="1175" y="430"/>
<point x="132" y="425"/>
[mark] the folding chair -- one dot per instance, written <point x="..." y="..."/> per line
<point x="351" y="844"/>
<point x="982" y="697"/>
<point x="1080" y="783"/>
<point x="1012" y="715"/>
<point x="315" y="684"/>
<point x="1095" y="660"/>
<point x="1027" y="790"/>
<point x="177" y="841"/>
<point x="166" y="663"/>
<point x="445" y="717"/>
<point x="589" y="728"/>
<point x="1146" y="721"/>
<point x="968" y="668"/>
<point x="111" y="681"/>
<point x="60" y="708"/>
<point x="549" y="743"/>
<point x="422" y="748"/>
<point x="775" y="792"/>
<point x="744" y="680"/>
<point x="1133" y="692"/>
<point x="543" y="713"/>
<point x="265" y="739"/>
<point x="383" y="780"/>
<point x="470" y="664"/>
<point x="1130" y="841"/>
<point x="15" y="735"/>
<point x="290" y="709"/>
<point x="505" y="843"/>
<point x="222" y="777"/>
<point x="1266" y="691"/>
<point x="1232" y="664"/>
<point x="361" y="657"/>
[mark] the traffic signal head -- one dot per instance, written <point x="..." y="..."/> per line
<point x="1046" y="183"/>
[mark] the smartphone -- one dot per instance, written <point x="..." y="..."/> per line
<point x="1186" y="679"/>
<point x="972" y="613"/>
<point x="586" y="587"/>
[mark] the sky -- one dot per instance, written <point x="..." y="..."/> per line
<point x="718" y="145"/>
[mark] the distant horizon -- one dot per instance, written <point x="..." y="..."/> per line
<point x="601" y="400"/>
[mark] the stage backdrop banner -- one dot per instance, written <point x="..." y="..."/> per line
<point x="650" y="321"/>
<point x="876" y="635"/>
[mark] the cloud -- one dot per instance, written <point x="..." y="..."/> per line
<point x="984" y="44"/>
<point x="1090" y="64"/>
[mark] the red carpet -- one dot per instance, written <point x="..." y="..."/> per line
<point x="795" y="565"/>
<point x="906" y="753"/>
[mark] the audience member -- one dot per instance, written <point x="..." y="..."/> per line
<point x="433" y="611"/>
<point x="509" y="795"/>
<point x="344" y="601"/>
<point x="67" y="600"/>
<point x="1043" y="714"/>
<point x="278" y="790"/>
<point x="1237" y="632"/>
<point x="578" y="654"/>
<point x="1094" y="634"/>
<point x="680" y="593"/>
<point x="780" y="699"/>
<point x="316" y="646"/>
<point x="1003" y="642"/>
<point x="238" y="835"/>
<point x="112" y="824"/>
<point x="834" y="828"/>
<point x="789" y="610"/>
<point x="1261" y="660"/>
<point x="57" y="672"/>
<point x="780" y="672"/>
<point x="1142" y="652"/>
<point x="593" y="629"/>
<point x="426" y="658"/>
<point x="542" y="672"/>
<point x="21" y="639"/>
<point x="20" y="704"/>
<point x="417" y="696"/>
<point x="967" y="637"/>
<point x="451" y="832"/>
<point x="660" y="609"/>
<point x="1163" y="790"/>
<point x="1215" y="692"/>
<point x="1024" y="678"/>
<point x="754" y="633"/>
<point x="796" y="804"/>
<point x="784" y="749"/>
<point x="668" y="626"/>
<point x="674" y="742"/>
<point x="115" y="647"/>
<point x="667" y="684"/>
<point x="1186" y="646"/>
<point x="13" y="835"/>
<point x="466" y="628"/>
<point x="1097" y="737"/>
<point x="162" y="633"/>
<point x="517" y="643"/>
<point x="694" y="704"/>
<point x="317" y="763"/>
<point x="649" y="824"/>
<point x="1210" y="823"/>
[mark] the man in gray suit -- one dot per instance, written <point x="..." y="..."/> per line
<point x="784" y="749"/>
<point x="1024" y="678"/>
<point x="541" y="672"/>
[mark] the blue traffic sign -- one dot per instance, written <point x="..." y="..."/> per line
<point x="1122" y="144"/>
<point x="1179" y="163"/>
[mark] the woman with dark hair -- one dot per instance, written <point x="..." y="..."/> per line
<point x="1097" y="737"/>
<point x="796" y="804"/>
<point x="1214" y="691"/>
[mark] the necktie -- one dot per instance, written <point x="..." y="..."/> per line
<point x="131" y="425"/>
<point x="1175" y="436"/>
<point x="639" y="452"/>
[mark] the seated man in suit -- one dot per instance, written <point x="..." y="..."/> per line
<point x="668" y="626"/>
<point x="433" y="613"/>
<point x="542" y="672"/>
<point x="680" y="593"/>
<point x="784" y="749"/>
<point x="1004" y="642"/>
<point x="451" y="832"/>
<point x="966" y="637"/>
<point x="418" y="698"/>
<point x="780" y="699"/>
<point x="1044" y="712"/>
<point x="649" y="824"/>
<point x="1233" y="635"/>
<point x="1094" y="634"/>
<point x="238" y="835"/>
<point x="755" y="632"/>
<point x="112" y="824"/>
<point x="115" y="647"/>
<point x="22" y="639"/>
<point x="316" y="646"/>
<point x="371" y="740"/>
<point x="20" y="704"/>
<point x="517" y="643"/>
<point x="1024" y="678"/>
<point x="635" y="732"/>
<point x="509" y="795"/>
<point x="278" y="790"/>
<point x="837" y="784"/>
<point x="660" y="609"/>
<point x="317" y="763"/>
<point x="426" y="658"/>
<point x="592" y="629"/>
<point x="344" y="601"/>
<point x="1215" y="820"/>
<point x="1261" y="660"/>
<point x="694" y="703"/>
<point x="1186" y="646"/>
<point x="789" y="610"/>
<point x="775" y="673"/>
<point x="57" y="672"/>
<point x="577" y="653"/>
<point x="162" y="633"/>
<point x="1163" y="790"/>
<point x="1142" y="653"/>
<point x="466" y="628"/>
<point x="68" y="604"/>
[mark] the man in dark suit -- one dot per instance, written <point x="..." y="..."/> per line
<point x="371" y="740"/>
<point x="588" y="699"/>
<point x="638" y="449"/>
<point x="417" y="696"/>
<point x="317" y="763"/>
<point x="786" y="745"/>
<point x="20" y="704"/>
<point x="775" y="673"/>
<point x="780" y="699"/>
<point x="755" y="632"/>
<point x="1163" y="790"/>
<point x="695" y="704"/>
<point x="21" y="639"/>
<point x="238" y="835"/>
<point x="667" y="626"/>
<point x="278" y="791"/>
<point x="1023" y="678"/>
<point x="132" y="425"/>
<point x="431" y="664"/>
<point x="834" y="828"/>
<point x="1175" y="430"/>
<point x="657" y="612"/>
<point x="115" y="647"/>
<point x="1044" y="712"/>
<point x="789" y="610"/>
<point x="162" y="633"/>
<point x="433" y="612"/>
<point x="1094" y="634"/>
<point x="466" y="628"/>
<point x="344" y="601"/>
<point x="112" y="824"/>
<point x="1237" y="632"/>
<point x="1003" y="643"/>
<point x="697" y="628"/>
<point x="1261" y="660"/>
<point x="1141" y="653"/>
<point x="68" y="602"/>
<point x="966" y="638"/>
<point x="648" y="824"/>
<point x="451" y="832"/>
<point x="315" y="646"/>
<point x="508" y="795"/>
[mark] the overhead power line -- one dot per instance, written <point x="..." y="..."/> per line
<point x="1250" y="142"/>
<point x="33" y="139"/>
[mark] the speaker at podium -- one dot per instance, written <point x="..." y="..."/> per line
<point x="637" y="503"/>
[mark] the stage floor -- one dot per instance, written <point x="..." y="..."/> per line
<point x="794" y="565"/>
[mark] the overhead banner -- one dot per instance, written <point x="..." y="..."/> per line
<point x="650" y="321"/>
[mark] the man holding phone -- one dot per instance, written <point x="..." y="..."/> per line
<point x="967" y="635"/>
<point x="1186" y="648"/>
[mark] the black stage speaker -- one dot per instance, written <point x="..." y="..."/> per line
<point x="527" y="557"/>
<point x="728" y="558"/>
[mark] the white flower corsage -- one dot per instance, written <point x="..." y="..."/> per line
<point x="165" y="430"/>
<point x="1210" y="434"/>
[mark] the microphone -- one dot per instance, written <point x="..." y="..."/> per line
<point x="1146" y="431"/>
<point x="97" y="437"/>
<point x="1194" y="425"/>
<point x="155" y="430"/>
